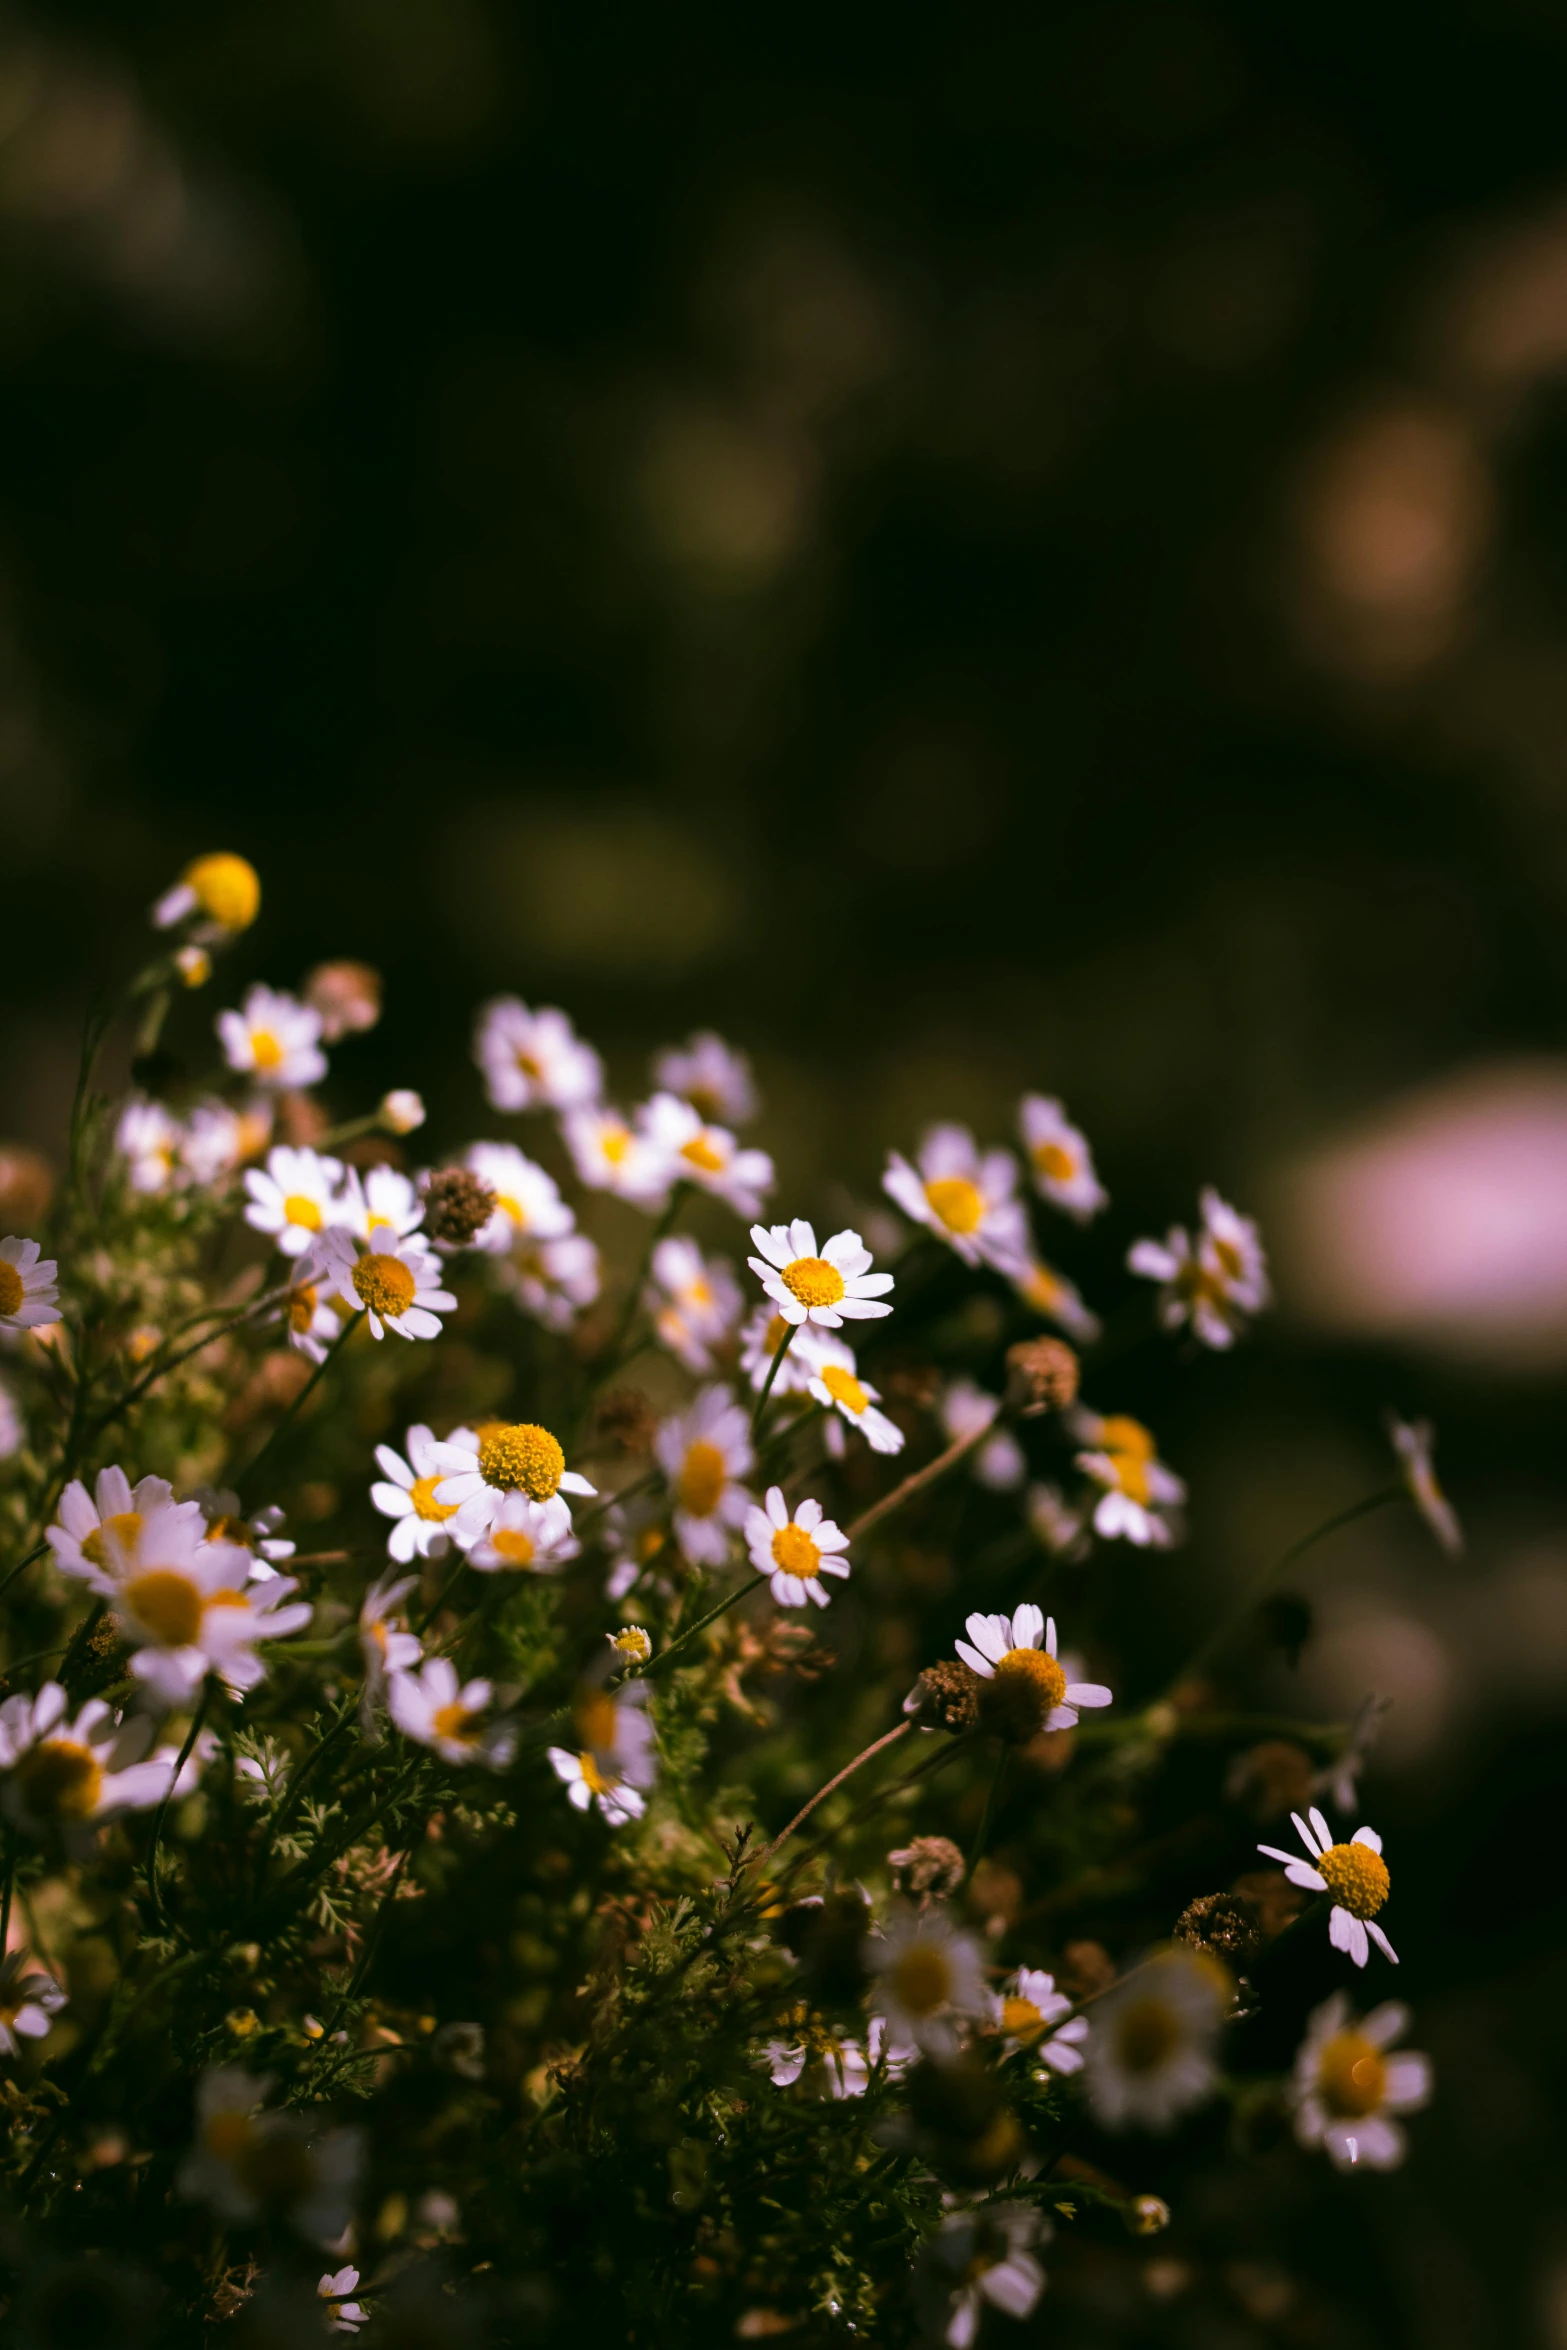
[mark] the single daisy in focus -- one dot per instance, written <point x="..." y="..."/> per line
<point x="614" y="1758"/>
<point x="65" y="1776"/>
<point x="385" y="1643"/>
<point x="421" y="1525"/>
<point x="528" y="1204"/>
<point x="980" y="2259"/>
<point x="829" y="1288"/>
<point x="1152" y="2041"/>
<point x="965" y="1411"/>
<point x="1354" y="1873"/>
<point x="704" y="1452"/>
<point x="1031" y="2009"/>
<point x="1055" y="1299"/>
<point x="29" y="2002"/>
<point x="610" y="1155"/>
<point x="552" y="1280"/>
<point x="293" y="1197"/>
<point x="1413" y="1441"/>
<point x="760" y="1340"/>
<point x="396" y="1282"/>
<point x="273" y="1038"/>
<point x="534" y="1060"/>
<point x="795" y="1550"/>
<point x="708" y="1156"/>
<point x="1137" y="1488"/>
<point x="381" y="1204"/>
<point x="927" y="1976"/>
<point x="1215" y="1281"/>
<point x="344" y="2315"/>
<point x="526" y="1537"/>
<point x="29" y="1287"/>
<point x="223" y="889"/>
<point x="453" y="1720"/>
<point x="479" y="1467"/>
<point x="849" y="1398"/>
<point x="695" y="1302"/>
<point x="1347" y="2088"/>
<point x="965" y="1196"/>
<point x="148" y="1140"/>
<point x="1026" y="1689"/>
<point x="1059" y="1158"/>
<point x="710" y="1075"/>
<point x="309" y="1324"/>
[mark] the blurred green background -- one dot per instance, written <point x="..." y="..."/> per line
<point x="1026" y="547"/>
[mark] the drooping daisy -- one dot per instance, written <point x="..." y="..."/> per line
<point x="187" y="1604"/>
<point x="479" y="1467"/>
<point x="1215" y="1281"/>
<point x="30" y="1999"/>
<point x="147" y="1139"/>
<point x="453" y="1720"/>
<point x="293" y="1197"/>
<point x="1055" y="1299"/>
<point x="1354" y="1873"/>
<point x="980" y="2259"/>
<point x="1137" y="1489"/>
<point x="552" y="1280"/>
<point x="534" y="1060"/>
<point x="78" y="1536"/>
<point x="29" y="1288"/>
<point x="223" y="889"/>
<point x="795" y="1549"/>
<point x="63" y="1776"/>
<point x="614" y="1758"/>
<point x="1347" y="2088"/>
<point x="760" y="1340"/>
<point x="710" y="1075"/>
<point x="421" y="1525"/>
<point x="708" y="1156"/>
<point x="966" y="1197"/>
<point x="383" y="1202"/>
<point x="344" y="2315"/>
<point x="1413" y="1441"/>
<point x="851" y="1399"/>
<point x="704" y="1452"/>
<point x="397" y="1282"/>
<point x="308" y="1322"/>
<point x="695" y="1302"/>
<point x="386" y="1645"/>
<point x="965" y="1410"/>
<point x="1031" y="2011"/>
<point x="610" y="1155"/>
<point x="1056" y="1526"/>
<point x="274" y="1038"/>
<point x="1152" y="2039"/>
<point x="926" y="1977"/>
<point x="526" y="1537"/>
<point x="249" y="2164"/>
<point x="829" y="1288"/>
<point x="1026" y="1689"/>
<point x="1059" y="1158"/>
<point x="528" y="1204"/>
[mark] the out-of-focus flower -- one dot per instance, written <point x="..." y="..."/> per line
<point x="707" y="1156"/>
<point x="213" y="1141"/>
<point x="704" y="1452"/>
<point x="310" y="1324"/>
<point x="224" y="889"/>
<point x="610" y="1155"/>
<point x="249" y="2164"/>
<point x="77" y="1537"/>
<point x="534" y="1060"/>
<point x="194" y="966"/>
<point x="795" y="1548"/>
<point x="695" y="1302"/>
<point x="528" y="1204"/>
<point x="347" y="996"/>
<point x="293" y="1197"/>
<point x="552" y="1279"/>
<point x="1030" y="2018"/>
<point x="760" y="1340"/>
<point x="1059" y="1158"/>
<point x="614" y="1759"/>
<point x="344" y="2315"/>
<point x="59" y="1776"/>
<point x="526" y="1537"/>
<point x="1026" y="1688"/>
<point x="1151" y="2041"/>
<point x="480" y="1467"/>
<point x="454" y="1720"/>
<point x="273" y="1038"/>
<point x="401" y="1111"/>
<point x="1214" y="1281"/>
<point x="29" y="2001"/>
<point x="26" y="1184"/>
<point x="966" y="1197"/>
<point x="632" y="1642"/>
<point x="421" y="1525"/>
<point x="1055" y="1299"/>
<point x="1056" y="1526"/>
<point x="978" y="2260"/>
<point x="220" y="1510"/>
<point x="1339" y="1780"/>
<point x="966" y="1409"/>
<point x="13" y="1428"/>
<point x="395" y="1281"/>
<point x="148" y="1139"/>
<point x="927" y="1976"/>
<point x="1348" y="2088"/>
<point x="379" y="1203"/>
<point x="838" y="1385"/>
<point x="1138" y="1492"/>
<point x="29" y="1288"/>
<point x="385" y="1643"/>
<point x="830" y="1288"/>
<point x="828" y="2065"/>
<point x="1413" y="1441"/>
<point x="710" y="1075"/>
<point x="1354" y="1873"/>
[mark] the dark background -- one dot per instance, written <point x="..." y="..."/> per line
<point x="967" y="549"/>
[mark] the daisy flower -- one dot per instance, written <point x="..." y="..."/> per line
<point x="421" y="1525"/>
<point x="704" y="1451"/>
<point x="386" y="1645"/>
<point x="384" y="1201"/>
<point x="1214" y="1281"/>
<point x="29" y="2000"/>
<point x="927" y="1975"/>
<point x="223" y="889"/>
<point x="1026" y="1686"/>
<point x="1413" y="1442"/>
<point x="1136" y="1486"/>
<point x="344" y="2315"/>
<point x="526" y="1536"/>
<point x="1347" y="2088"/>
<point x="966" y="1409"/>
<point x="293" y="1197"/>
<point x="1151" y="2041"/>
<point x="552" y="1279"/>
<point x="695" y="1302"/>
<point x="830" y="1288"/>
<point x="29" y="1289"/>
<point x="837" y="1385"/>
<point x="710" y="1075"/>
<point x="213" y="1141"/>
<point x="147" y="1139"/>
<point x="964" y="1196"/>
<point x="611" y="1156"/>
<point x="309" y="1325"/>
<point x="396" y="1281"/>
<point x="1059" y="1158"/>
<point x="534" y="1060"/>
<point x="273" y="1038"/>
<point x="59" y="1774"/>
<point x="614" y="1758"/>
<point x="1055" y="1299"/>
<point x="760" y="1340"/>
<point x="708" y="1156"/>
<point x="453" y="1720"/>
<point x="249" y="2164"/>
<point x="831" y="2065"/>
<point x="479" y="1467"/>
<point x="1030" y="2006"/>
<point x="795" y="1551"/>
<point x="78" y="1536"/>
<point x="527" y="1200"/>
<point x="1354" y="1873"/>
<point x="980" y="2259"/>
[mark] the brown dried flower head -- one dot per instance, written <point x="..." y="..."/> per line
<point x="930" y="1864"/>
<point x="457" y="1206"/>
<point x="627" y="1418"/>
<point x="1270" y="1779"/>
<point x="1042" y="1376"/>
<point x="1225" y="1925"/>
<point x="945" y="1697"/>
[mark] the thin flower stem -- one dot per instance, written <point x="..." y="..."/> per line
<point x="248" y="1473"/>
<point x="987" y="1821"/>
<point x="932" y="1763"/>
<point x="441" y="1597"/>
<point x="656" y="1664"/>
<point x="160" y="1814"/>
<point x="1252" y="1592"/>
<point x="917" y="1482"/>
<point x="791" y="1333"/>
<point x="628" y="1313"/>
<point x="888" y="1738"/>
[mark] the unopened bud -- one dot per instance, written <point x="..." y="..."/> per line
<point x="1147" y="2216"/>
<point x="1042" y="1376"/>
<point x="242" y="2021"/>
<point x="401" y="1111"/>
<point x="631" y="1642"/>
<point x="194" y="966"/>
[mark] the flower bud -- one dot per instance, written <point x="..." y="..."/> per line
<point x="194" y="966"/>
<point x="401" y="1111"/>
<point x="1147" y="2216"/>
<point x="631" y="1642"/>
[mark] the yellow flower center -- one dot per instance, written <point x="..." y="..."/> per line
<point x="513" y="1208"/>
<point x="596" y="1781"/>
<point x="227" y="889"/>
<point x="595" y="1716"/>
<point x="700" y="1153"/>
<point x="1120" y="1433"/>
<point x="614" y="1142"/>
<point x="457" y="1722"/>
<point x="795" y="1552"/>
<point x="167" y="1605"/>
<point x="1229" y="1257"/>
<point x="1351" y="2075"/>
<point x="813" y="1281"/>
<point x="1022" y="1693"/>
<point x="228" y="2136"/>
<point x="521" y="1458"/>
<point x="844" y="1388"/>
<point x="125" y="1529"/>
<point x="422" y="1494"/>
<point x="703" y="1475"/>
<point x="513" y="1545"/>
<point x="12" y="1289"/>
<point x="60" y="1780"/>
<point x="1042" y="1290"/>
<point x="301" y="1308"/>
<point x="265" y="1050"/>
<point x="1132" y="1478"/>
<point x="304" y="1212"/>
<point x="920" y="1978"/>
<point x="385" y="1285"/>
<point x="1054" y="1161"/>
<point x="1357" y="1878"/>
<point x="956" y="1202"/>
<point x="1147" y="2035"/>
<point x="1021" y="2020"/>
<point x="530" y="1065"/>
<point x="1038" y="1670"/>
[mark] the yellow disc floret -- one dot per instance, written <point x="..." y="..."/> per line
<point x="1021" y="2020"/>
<point x="386" y="1286"/>
<point x="1147" y="2034"/>
<point x="956" y="1202"/>
<point x="457" y="1722"/>
<point x="422" y="1494"/>
<point x="813" y="1281"/>
<point x="12" y="1290"/>
<point x="595" y="1718"/>
<point x="1351" y="2075"/>
<point x="227" y="889"/>
<point x="167" y="1604"/>
<point x="703" y="1475"/>
<point x="517" y="1457"/>
<point x="1357" y="1878"/>
<point x="59" y="1780"/>
<point x="123" y="1530"/>
<point x="844" y="1388"/>
<point x="699" y="1153"/>
<point x="513" y="1545"/>
<point x="265" y="1049"/>
<point x="1054" y="1162"/>
<point x="297" y="1209"/>
<point x="1021" y="1695"/>
<point x="920" y="1978"/>
<point x="795" y="1553"/>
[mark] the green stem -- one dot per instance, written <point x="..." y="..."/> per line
<point x="247" y="1474"/>
<point x="887" y="1739"/>
<point x="918" y="1481"/>
<point x="1252" y="1591"/>
<point x="223" y="1319"/>
<point x="945" y="1753"/>
<point x="656" y="1664"/>
<point x="791" y="1333"/>
<point x="160" y="1814"/>
<point x="987" y="1821"/>
<point x="441" y="1597"/>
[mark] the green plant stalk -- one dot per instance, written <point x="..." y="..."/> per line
<point x="247" y="1475"/>
<point x="161" y="1813"/>
<point x="773" y="1369"/>
<point x="1253" y="1591"/>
